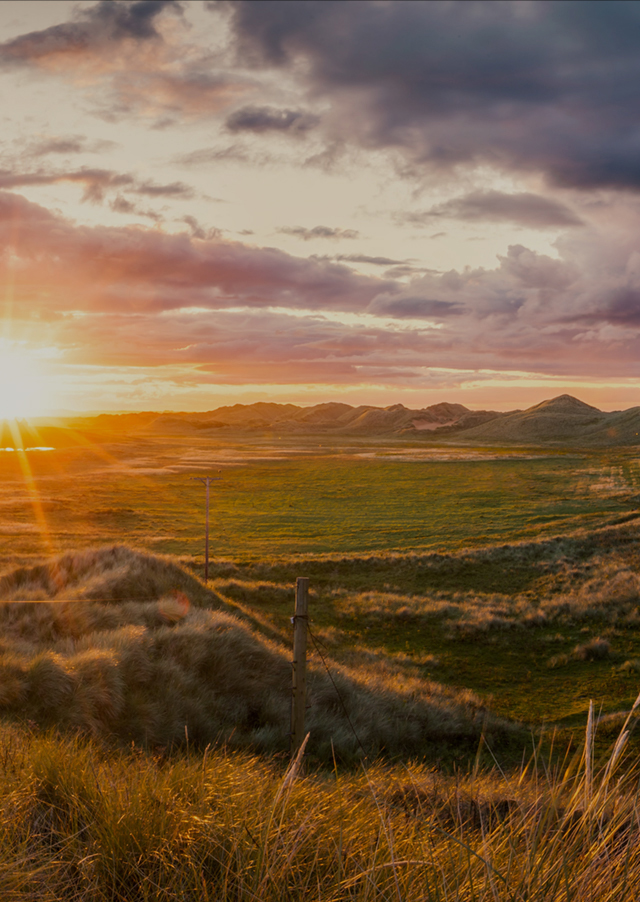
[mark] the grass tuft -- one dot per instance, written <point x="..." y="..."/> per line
<point x="596" y="650"/>
<point x="80" y="822"/>
<point x="143" y="652"/>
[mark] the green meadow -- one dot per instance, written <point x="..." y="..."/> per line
<point x="362" y="518"/>
<point x="466" y="607"/>
<point x="285" y="498"/>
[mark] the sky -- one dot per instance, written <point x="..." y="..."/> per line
<point x="208" y="203"/>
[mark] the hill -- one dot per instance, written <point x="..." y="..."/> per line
<point x="323" y="419"/>
<point x="132" y="646"/>
<point x="561" y="420"/>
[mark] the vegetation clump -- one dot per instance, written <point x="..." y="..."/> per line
<point x="125" y="655"/>
<point x="80" y="822"/>
<point x="595" y="650"/>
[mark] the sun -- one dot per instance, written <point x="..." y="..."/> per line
<point x="24" y="389"/>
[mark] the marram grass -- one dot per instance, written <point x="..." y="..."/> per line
<point x="79" y="821"/>
<point x="197" y="813"/>
<point x="131" y="647"/>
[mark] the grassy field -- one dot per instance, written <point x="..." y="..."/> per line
<point x="465" y="608"/>
<point x="399" y="504"/>
<point x="284" y="498"/>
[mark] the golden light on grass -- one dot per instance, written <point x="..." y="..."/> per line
<point x="31" y="486"/>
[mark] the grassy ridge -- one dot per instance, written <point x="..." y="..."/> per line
<point x="423" y="648"/>
<point x="134" y="647"/>
<point x="505" y="621"/>
<point x="429" y="652"/>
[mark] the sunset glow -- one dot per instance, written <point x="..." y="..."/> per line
<point x="226" y="208"/>
<point x="25" y="392"/>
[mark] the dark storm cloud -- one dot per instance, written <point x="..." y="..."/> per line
<point x="624" y="308"/>
<point x="523" y="209"/>
<point x="540" y="86"/>
<point x="105" y="23"/>
<point x="318" y="232"/>
<point x="261" y="119"/>
<point x="620" y="307"/>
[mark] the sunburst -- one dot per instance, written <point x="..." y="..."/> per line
<point x="24" y="388"/>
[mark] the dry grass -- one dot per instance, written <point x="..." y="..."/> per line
<point x="145" y="652"/>
<point x="612" y="597"/>
<point x="79" y="822"/>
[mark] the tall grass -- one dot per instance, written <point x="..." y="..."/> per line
<point x="79" y="822"/>
<point x="143" y="651"/>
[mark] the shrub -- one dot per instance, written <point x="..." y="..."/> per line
<point x="596" y="650"/>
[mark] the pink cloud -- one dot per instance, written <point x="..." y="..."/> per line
<point x="208" y="304"/>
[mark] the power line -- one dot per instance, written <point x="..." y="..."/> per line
<point x="73" y="600"/>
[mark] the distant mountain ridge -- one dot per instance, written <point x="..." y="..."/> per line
<point x="332" y="417"/>
<point x="561" y="420"/>
<point x="564" y="420"/>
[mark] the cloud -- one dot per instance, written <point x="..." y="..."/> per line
<point x="128" y="59"/>
<point x="207" y="155"/>
<point x="247" y="153"/>
<point x="408" y="306"/>
<point x="241" y="313"/>
<point x="96" y="28"/>
<point x="174" y="189"/>
<point x="318" y="232"/>
<point x="137" y="269"/>
<point x="71" y="144"/>
<point x="363" y="258"/>
<point x="168" y="92"/>
<point x="96" y="182"/>
<point x="531" y="87"/>
<point x="524" y="209"/>
<point x="121" y="204"/>
<point x="262" y="119"/>
<point x="199" y="231"/>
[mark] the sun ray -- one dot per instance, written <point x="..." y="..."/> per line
<point x="32" y="488"/>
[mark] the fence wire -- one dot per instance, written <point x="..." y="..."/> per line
<point x="344" y="707"/>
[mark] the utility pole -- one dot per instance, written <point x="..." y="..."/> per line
<point x="206" y="480"/>
<point x="299" y="690"/>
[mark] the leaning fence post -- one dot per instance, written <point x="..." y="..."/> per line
<point x="299" y="693"/>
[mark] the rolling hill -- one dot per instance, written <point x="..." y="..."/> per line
<point x="561" y="420"/>
<point x="564" y="420"/>
<point x="328" y="418"/>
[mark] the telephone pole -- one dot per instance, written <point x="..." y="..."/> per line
<point x="206" y="480"/>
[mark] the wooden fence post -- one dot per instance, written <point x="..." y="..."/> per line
<point x="299" y="694"/>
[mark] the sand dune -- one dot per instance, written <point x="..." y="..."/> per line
<point x="562" y="420"/>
